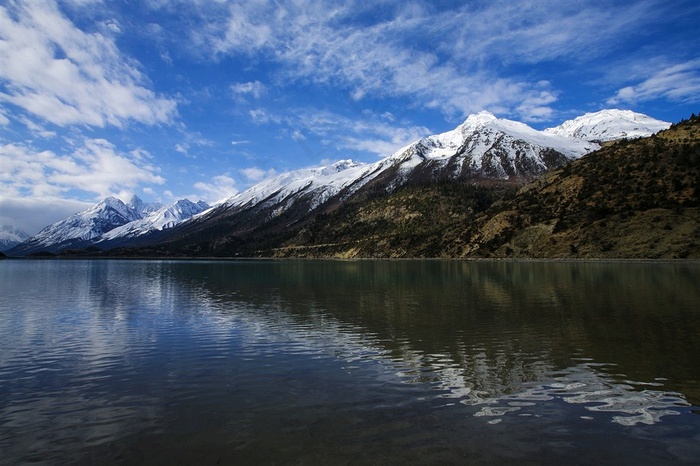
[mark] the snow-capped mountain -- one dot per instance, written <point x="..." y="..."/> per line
<point x="79" y="229"/>
<point x="608" y="125"/>
<point x="484" y="147"/>
<point x="158" y="220"/>
<point x="144" y="209"/>
<point x="320" y="183"/>
<point x="490" y="147"/>
<point x="89" y="227"/>
<point x="11" y="236"/>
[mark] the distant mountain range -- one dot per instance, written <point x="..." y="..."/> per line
<point x="11" y="236"/>
<point x="484" y="158"/>
<point x="108" y="222"/>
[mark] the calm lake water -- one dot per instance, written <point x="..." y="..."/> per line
<point x="349" y="362"/>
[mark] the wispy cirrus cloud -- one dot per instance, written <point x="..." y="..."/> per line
<point x="255" y="174"/>
<point x="679" y="82"/>
<point x="379" y="134"/>
<point x="254" y="89"/>
<point x="458" y="64"/>
<point x="53" y="70"/>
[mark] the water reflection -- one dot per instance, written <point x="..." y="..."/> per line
<point x="498" y="323"/>
<point x="94" y="353"/>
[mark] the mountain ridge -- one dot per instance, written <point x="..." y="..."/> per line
<point x="634" y="199"/>
<point x="11" y="236"/>
<point x="496" y="156"/>
<point x="88" y="228"/>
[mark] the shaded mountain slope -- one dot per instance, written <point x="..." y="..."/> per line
<point x="632" y="199"/>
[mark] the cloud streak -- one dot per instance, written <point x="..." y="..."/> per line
<point x="458" y="64"/>
<point x="678" y="82"/>
<point x="53" y="70"/>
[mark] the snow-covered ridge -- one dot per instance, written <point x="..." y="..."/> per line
<point x="101" y="220"/>
<point x="11" y="236"/>
<point x="161" y="219"/>
<point x="482" y="147"/>
<point x="482" y="129"/>
<point x="323" y="182"/>
<point x="608" y="125"/>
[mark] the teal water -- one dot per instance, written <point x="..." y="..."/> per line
<point x="349" y="362"/>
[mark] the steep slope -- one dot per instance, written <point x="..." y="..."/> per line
<point x="609" y="125"/>
<point x="158" y="220"/>
<point x="635" y="199"/>
<point x="110" y="220"/>
<point x="11" y="236"/>
<point x="78" y="230"/>
<point x="483" y="148"/>
<point x="632" y="199"/>
<point x="488" y="147"/>
<point x="144" y="209"/>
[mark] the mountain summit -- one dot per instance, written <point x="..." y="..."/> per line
<point x="11" y="236"/>
<point x="608" y="125"/>
<point x="484" y="150"/>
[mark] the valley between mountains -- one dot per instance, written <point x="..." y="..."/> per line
<point x="611" y="184"/>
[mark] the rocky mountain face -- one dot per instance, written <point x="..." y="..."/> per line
<point x="428" y="199"/>
<point x="631" y="199"/>
<point x="484" y="150"/>
<point x="156" y="221"/>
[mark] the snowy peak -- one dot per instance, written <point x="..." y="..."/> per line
<point x="11" y="236"/>
<point x="143" y="208"/>
<point x="608" y="125"/>
<point x="81" y="228"/>
<point x="488" y="147"/>
<point x="477" y="120"/>
<point x="161" y="219"/>
<point x="108" y="220"/>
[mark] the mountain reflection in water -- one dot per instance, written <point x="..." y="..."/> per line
<point x="105" y="354"/>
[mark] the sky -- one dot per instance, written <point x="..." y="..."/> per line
<point x="200" y="99"/>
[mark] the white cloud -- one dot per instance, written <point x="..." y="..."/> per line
<point x="95" y="168"/>
<point x="676" y="82"/>
<point x="220" y="187"/>
<point x="453" y="67"/>
<point x="255" y="174"/>
<point x="255" y="89"/>
<point x="33" y="214"/>
<point x="53" y="70"/>
<point x="377" y="134"/>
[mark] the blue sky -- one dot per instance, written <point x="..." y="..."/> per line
<point x="203" y="98"/>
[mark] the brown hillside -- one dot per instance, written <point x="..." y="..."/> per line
<point x="631" y="199"/>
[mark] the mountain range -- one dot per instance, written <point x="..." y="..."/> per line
<point x="478" y="163"/>
<point x="11" y="236"/>
<point x="110" y="222"/>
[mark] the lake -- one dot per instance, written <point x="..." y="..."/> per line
<point x="349" y="362"/>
